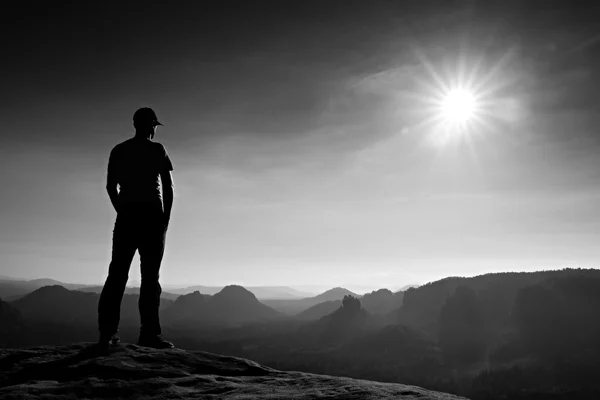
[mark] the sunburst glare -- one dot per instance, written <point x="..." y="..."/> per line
<point x="458" y="106"/>
<point x="458" y="102"/>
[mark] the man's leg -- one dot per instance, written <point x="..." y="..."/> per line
<point x="151" y="250"/>
<point x="123" y="250"/>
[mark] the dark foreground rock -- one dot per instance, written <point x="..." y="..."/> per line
<point x="79" y="371"/>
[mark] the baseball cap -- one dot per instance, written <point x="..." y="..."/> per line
<point x="146" y="114"/>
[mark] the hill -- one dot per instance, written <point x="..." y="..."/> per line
<point x="232" y="305"/>
<point x="133" y="372"/>
<point x="336" y="293"/>
<point x="382" y="301"/>
<point x="11" y="289"/>
<point x="56" y="315"/>
<point x="295" y="306"/>
<point x="319" y="311"/>
<point x="58" y="305"/>
<point x="128" y="290"/>
<point x="276" y="292"/>
<point x="346" y="323"/>
<point x="379" y="302"/>
<point x="261" y="292"/>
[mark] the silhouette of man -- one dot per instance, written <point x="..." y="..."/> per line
<point x="136" y="169"/>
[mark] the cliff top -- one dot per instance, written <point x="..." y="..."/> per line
<point x="134" y="372"/>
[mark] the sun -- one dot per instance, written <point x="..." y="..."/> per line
<point x="455" y="101"/>
<point x="460" y="99"/>
<point x="458" y="106"/>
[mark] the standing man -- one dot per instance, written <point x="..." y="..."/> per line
<point x="138" y="167"/>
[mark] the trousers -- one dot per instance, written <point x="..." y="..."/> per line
<point x="137" y="228"/>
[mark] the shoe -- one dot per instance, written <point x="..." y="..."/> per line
<point x="107" y="340"/>
<point x="154" y="341"/>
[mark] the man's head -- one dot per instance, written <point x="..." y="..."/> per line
<point x="145" y="121"/>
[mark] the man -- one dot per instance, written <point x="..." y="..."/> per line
<point x="136" y="169"/>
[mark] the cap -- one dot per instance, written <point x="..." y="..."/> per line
<point x="146" y="114"/>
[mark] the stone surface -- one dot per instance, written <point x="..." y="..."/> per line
<point x="80" y="371"/>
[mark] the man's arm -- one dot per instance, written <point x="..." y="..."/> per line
<point x="112" y="182"/>
<point x="168" y="190"/>
<point x="113" y="193"/>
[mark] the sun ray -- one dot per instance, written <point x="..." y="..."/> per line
<point x="483" y="85"/>
<point x="454" y="103"/>
<point x="431" y="70"/>
<point x="473" y="72"/>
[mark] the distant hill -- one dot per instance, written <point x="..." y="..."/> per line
<point x="292" y="307"/>
<point x="187" y="307"/>
<point x="128" y="290"/>
<point x="276" y="292"/>
<point x="58" y="305"/>
<point x="56" y="315"/>
<point x="336" y="293"/>
<point x="11" y="289"/>
<point x="45" y="282"/>
<point x="232" y="305"/>
<point x="261" y="292"/>
<point x="381" y="302"/>
<point x="319" y="310"/>
<point x="347" y="322"/>
<point x="210" y="290"/>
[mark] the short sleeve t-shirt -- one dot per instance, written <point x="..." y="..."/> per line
<point x="136" y="165"/>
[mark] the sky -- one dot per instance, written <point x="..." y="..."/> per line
<point x="303" y="138"/>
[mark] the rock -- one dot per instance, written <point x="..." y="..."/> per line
<point x="133" y="372"/>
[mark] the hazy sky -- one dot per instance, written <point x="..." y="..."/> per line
<point x="298" y="136"/>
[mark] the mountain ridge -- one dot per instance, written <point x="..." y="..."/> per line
<point x="12" y="289"/>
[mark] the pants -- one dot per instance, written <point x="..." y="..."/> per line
<point x="143" y="229"/>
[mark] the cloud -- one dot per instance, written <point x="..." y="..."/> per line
<point x="387" y="82"/>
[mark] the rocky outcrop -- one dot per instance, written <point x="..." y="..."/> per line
<point x="133" y="372"/>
